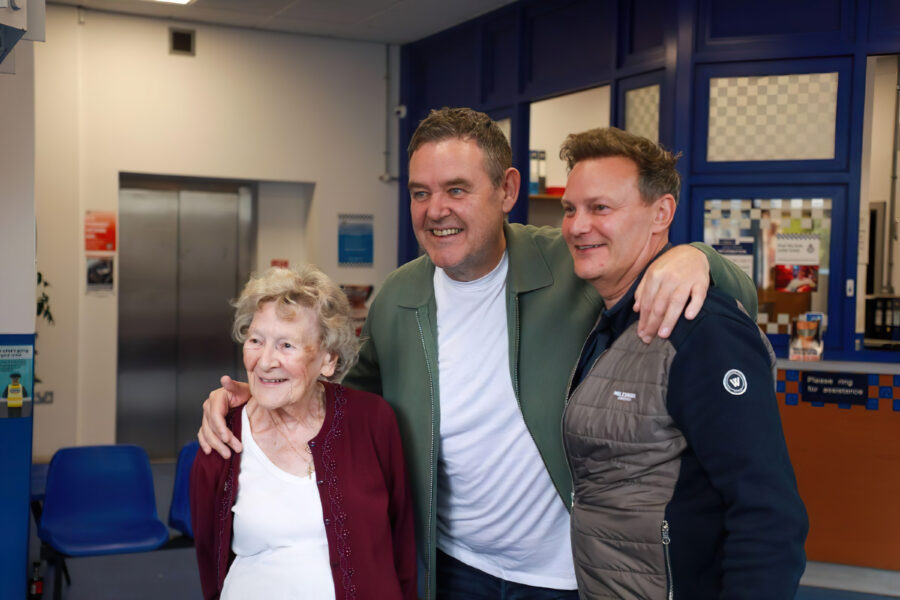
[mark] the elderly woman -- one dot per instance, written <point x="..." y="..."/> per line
<point x="317" y="505"/>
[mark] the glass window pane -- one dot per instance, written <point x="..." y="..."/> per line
<point x="776" y="117"/>
<point x="783" y="244"/>
<point x="642" y="111"/>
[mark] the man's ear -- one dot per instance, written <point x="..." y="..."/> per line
<point x="663" y="212"/>
<point x="510" y="186"/>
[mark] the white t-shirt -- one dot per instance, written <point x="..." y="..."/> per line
<point x="278" y="535"/>
<point x="497" y="509"/>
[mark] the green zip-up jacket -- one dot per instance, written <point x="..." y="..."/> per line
<point x="549" y="312"/>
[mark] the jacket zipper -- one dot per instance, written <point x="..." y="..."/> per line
<point x="665" y="542"/>
<point x="562" y="422"/>
<point x="428" y="543"/>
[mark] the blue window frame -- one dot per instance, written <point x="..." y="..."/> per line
<point x="842" y="66"/>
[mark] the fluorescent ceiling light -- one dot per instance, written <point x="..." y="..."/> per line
<point x="175" y="1"/>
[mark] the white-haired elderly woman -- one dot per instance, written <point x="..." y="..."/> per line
<point x="317" y="504"/>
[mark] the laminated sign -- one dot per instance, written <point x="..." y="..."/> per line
<point x="16" y="375"/>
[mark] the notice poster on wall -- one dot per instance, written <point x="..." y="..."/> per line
<point x="740" y="252"/>
<point x="836" y="388"/>
<point x="99" y="231"/>
<point x="797" y="262"/>
<point x="99" y="274"/>
<point x="16" y="375"/>
<point x="355" y="240"/>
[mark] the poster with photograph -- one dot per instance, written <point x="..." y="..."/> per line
<point x="99" y="274"/>
<point x="797" y="262"/>
<point x="796" y="278"/>
<point x="16" y="375"/>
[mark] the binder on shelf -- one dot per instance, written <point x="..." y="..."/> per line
<point x="895" y="302"/>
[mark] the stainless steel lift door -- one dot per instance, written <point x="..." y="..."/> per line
<point x="178" y="269"/>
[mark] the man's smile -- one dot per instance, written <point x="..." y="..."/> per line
<point x="446" y="231"/>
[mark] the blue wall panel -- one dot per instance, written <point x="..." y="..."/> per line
<point x="884" y="20"/>
<point x="448" y="70"/>
<point x="754" y="18"/>
<point x="501" y="64"/>
<point x="15" y="493"/>
<point x="570" y="45"/>
<point x="642" y="30"/>
<point x="775" y="28"/>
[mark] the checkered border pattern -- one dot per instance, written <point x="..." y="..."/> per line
<point x="738" y="218"/>
<point x="642" y="112"/>
<point x="884" y="391"/>
<point x="775" y="117"/>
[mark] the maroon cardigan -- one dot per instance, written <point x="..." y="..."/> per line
<point x="365" y="497"/>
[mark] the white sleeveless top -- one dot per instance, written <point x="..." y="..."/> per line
<point x="278" y="536"/>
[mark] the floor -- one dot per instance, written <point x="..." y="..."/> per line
<point x="172" y="573"/>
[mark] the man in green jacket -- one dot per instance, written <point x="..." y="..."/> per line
<point x="473" y="344"/>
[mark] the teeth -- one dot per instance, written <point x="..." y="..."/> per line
<point x="444" y="232"/>
<point x="271" y="380"/>
<point x="588" y="247"/>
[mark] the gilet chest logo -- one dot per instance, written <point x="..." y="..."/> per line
<point x="734" y="382"/>
<point x="624" y="396"/>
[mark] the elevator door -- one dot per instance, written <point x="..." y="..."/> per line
<point x="181" y="262"/>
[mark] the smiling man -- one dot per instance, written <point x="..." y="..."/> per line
<point x="472" y="344"/>
<point x="683" y="484"/>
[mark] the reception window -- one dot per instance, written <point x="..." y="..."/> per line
<point x="783" y="244"/>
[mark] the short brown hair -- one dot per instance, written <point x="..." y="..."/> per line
<point x="466" y="124"/>
<point x="657" y="175"/>
<point x="308" y="287"/>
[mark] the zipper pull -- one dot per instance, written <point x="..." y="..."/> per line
<point x="665" y="533"/>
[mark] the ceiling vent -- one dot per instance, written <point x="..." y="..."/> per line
<point x="181" y="41"/>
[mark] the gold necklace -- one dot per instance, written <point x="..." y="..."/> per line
<point x="278" y="427"/>
<point x="308" y="461"/>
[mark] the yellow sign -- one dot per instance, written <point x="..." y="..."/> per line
<point x="14" y="395"/>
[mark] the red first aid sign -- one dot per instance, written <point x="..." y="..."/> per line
<point x="100" y="230"/>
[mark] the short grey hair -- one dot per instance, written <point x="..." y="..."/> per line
<point x="466" y="124"/>
<point x="307" y="287"/>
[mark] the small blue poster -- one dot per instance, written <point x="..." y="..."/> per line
<point x="355" y="240"/>
<point x="16" y="375"/>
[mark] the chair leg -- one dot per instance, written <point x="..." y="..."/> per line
<point x="65" y="570"/>
<point x="58" y="562"/>
<point x="58" y="566"/>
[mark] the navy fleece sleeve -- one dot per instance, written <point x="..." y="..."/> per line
<point x="722" y="396"/>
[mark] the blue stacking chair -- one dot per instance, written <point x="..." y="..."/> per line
<point x="99" y="500"/>
<point x="180" y="509"/>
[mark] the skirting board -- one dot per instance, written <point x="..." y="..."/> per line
<point x="852" y="579"/>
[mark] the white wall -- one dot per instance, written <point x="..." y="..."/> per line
<point x="17" y="193"/>
<point x="282" y="212"/>
<point x="552" y="120"/>
<point x="250" y="105"/>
